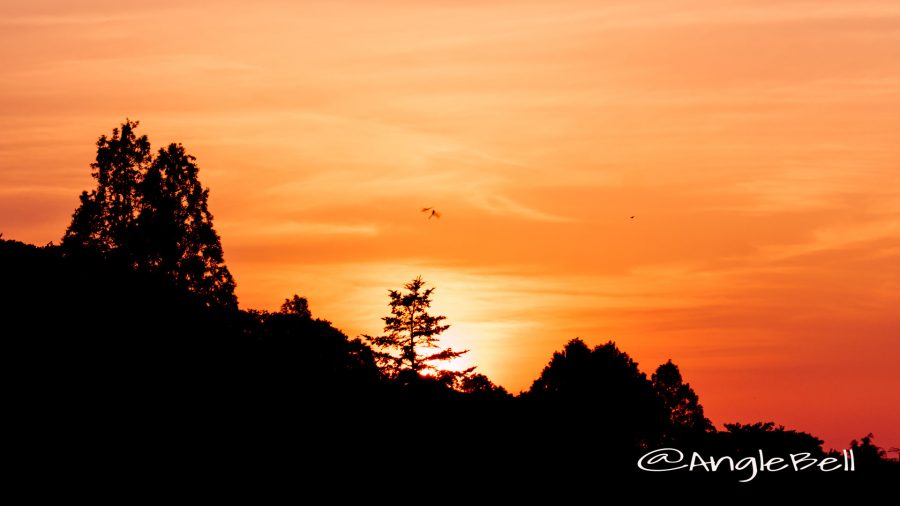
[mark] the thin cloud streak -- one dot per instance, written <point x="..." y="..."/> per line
<point x="287" y="229"/>
<point x="504" y="206"/>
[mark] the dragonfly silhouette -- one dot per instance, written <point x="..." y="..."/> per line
<point x="432" y="212"/>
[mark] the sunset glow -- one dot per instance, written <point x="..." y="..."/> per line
<point x="755" y="143"/>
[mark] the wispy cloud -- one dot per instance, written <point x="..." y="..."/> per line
<point x="65" y="19"/>
<point x="835" y="237"/>
<point x="505" y="206"/>
<point x="287" y="229"/>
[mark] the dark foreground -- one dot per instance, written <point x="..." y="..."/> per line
<point x="122" y="384"/>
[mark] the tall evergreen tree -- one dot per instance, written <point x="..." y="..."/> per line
<point x="153" y="213"/>
<point x="177" y="236"/>
<point x="682" y="404"/>
<point x="410" y="329"/>
<point x="104" y="220"/>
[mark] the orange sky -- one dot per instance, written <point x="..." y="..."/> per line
<point x="756" y="142"/>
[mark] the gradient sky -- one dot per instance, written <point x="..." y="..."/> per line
<point x="755" y="141"/>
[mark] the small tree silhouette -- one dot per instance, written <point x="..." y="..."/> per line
<point x="408" y="330"/>
<point x="682" y="404"/>
<point x="866" y="452"/>
<point x="296" y="305"/>
<point x="480" y="385"/>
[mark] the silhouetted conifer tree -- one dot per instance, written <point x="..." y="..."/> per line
<point x="175" y="229"/>
<point x="681" y="402"/>
<point x="105" y="219"/>
<point x="410" y="329"/>
<point x="152" y="212"/>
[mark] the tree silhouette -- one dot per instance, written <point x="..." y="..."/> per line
<point x="175" y="227"/>
<point x="481" y="386"/>
<point x="153" y="213"/>
<point x="104" y="220"/>
<point x="409" y="329"/>
<point x="866" y="452"/>
<point x="296" y="306"/>
<point x="681" y="402"/>
<point x="748" y="439"/>
<point x="601" y="386"/>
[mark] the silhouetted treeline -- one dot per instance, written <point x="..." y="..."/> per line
<point x="92" y="340"/>
<point x="126" y="350"/>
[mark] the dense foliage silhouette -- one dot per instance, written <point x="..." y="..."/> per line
<point x="127" y="340"/>
<point x="151" y="212"/>
<point x="602" y="388"/>
<point x="685" y="420"/>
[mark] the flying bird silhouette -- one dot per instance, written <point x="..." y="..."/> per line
<point x="434" y="213"/>
<point x="632" y="218"/>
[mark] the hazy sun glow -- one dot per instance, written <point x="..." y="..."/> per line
<point x="755" y="142"/>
